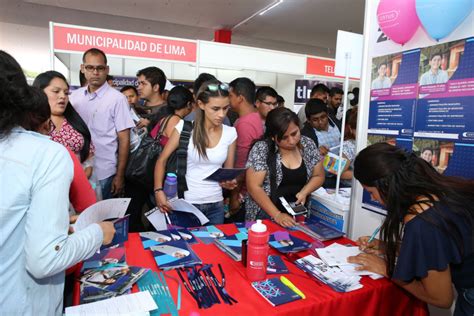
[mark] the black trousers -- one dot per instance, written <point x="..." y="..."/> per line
<point x="140" y="197"/>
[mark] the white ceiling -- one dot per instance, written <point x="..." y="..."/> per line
<point x="302" y="26"/>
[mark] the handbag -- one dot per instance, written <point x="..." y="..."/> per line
<point x="141" y="163"/>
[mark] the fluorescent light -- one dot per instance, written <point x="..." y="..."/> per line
<point x="270" y="7"/>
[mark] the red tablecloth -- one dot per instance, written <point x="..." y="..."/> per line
<point x="377" y="297"/>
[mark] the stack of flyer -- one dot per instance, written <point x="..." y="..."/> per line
<point x="319" y="230"/>
<point x="232" y="245"/>
<point x="332" y="267"/>
<point x="106" y="275"/>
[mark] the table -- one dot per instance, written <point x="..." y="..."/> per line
<point x="377" y="297"/>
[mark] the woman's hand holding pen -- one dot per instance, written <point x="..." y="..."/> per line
<point x="375" y="246"/>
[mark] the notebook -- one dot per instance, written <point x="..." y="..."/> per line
<point x="276" y="265"/>
<point x="275" y="292"/>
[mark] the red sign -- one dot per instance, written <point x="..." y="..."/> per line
<point x="322" y="67"/>
<point x="79" y="40"/>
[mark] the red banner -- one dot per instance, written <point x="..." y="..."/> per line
<point x="320" y="67"/>
<point x="79" y="40"/>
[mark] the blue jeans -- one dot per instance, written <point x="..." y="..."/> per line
<point x="106" y="187"/>
<point x="213" y="211"/>
<point x="464" y="302"/>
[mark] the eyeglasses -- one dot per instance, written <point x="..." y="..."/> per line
<point x="274" y="104"/>
<point x="213" y="87"/>
<point x="90" y="68"/>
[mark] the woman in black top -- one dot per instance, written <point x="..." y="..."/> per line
<point x="427" y="236"/>
<point x="283" y="164"/>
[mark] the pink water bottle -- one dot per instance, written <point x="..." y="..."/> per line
<point x="257" y="252"/>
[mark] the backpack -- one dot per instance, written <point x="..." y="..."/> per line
<point x="141" y="163"/>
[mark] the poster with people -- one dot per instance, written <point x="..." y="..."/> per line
<point x="394" y="91"/>
<point x="444" y="126"/>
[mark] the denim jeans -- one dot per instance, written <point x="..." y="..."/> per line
<point x="106" y="186"/>
<point x="213" y="211"/>
<point x="464" y="302"/>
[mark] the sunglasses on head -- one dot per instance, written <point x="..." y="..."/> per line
<point x="213" y="87"/>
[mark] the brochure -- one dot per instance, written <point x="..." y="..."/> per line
<point x="287" y="243"/>
<point x="175" y="254"/>
<point x="207" y="234"/>
<point x="225" y="174"/>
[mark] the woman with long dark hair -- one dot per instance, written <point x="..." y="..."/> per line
<point x="283" y="164"/>
<point x="427" y="237"/>
<point x="35" y="176"/>
<point x="212" y="146"/>
<point x="69" y="128"/>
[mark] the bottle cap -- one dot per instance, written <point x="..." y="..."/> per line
<point x="259" y="227"/>
<point x="171" y="177"/>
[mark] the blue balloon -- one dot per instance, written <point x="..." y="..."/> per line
<point x="441" y="17"/>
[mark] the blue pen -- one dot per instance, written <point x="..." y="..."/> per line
<point x="376" y="231"/>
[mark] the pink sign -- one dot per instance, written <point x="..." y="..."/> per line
<point x="76" y="39"/>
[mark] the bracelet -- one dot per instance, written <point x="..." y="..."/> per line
<point x="157" y="190"/>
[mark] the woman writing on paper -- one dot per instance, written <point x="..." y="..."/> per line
<point x="282" y="164"/>
<point x="427" y="238"/>
<point x="211" y="146"/>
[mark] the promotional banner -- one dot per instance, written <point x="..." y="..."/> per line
<point x="393" y="94"/>
<point x="444" y="127"/>
<point x="68" y="38"/>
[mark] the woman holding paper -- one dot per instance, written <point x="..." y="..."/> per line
<point x="211" y="146"/>
<point x="36" y="174"/>
<point x="282" y="164"/>
<point x="428" y="234"/>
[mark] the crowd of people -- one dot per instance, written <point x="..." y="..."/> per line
<point x="63" y="151"/>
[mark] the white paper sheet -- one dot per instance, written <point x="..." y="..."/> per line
<point x="183" y="206"/>
<point x="351" y="270"/>
<point x="157" y="219"/>
<point x="337" y="256"/>
<point x="100" y="211"/>
<point x="140" y="303"/>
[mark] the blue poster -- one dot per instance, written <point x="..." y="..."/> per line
<point x="444" y="126"/>
<point x="394" y="93"/>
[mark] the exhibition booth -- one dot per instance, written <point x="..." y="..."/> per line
<point x="183" y="60"/>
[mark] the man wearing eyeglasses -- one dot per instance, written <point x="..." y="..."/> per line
<point x="266" y="100"/>
<point x="106" y="113"/>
